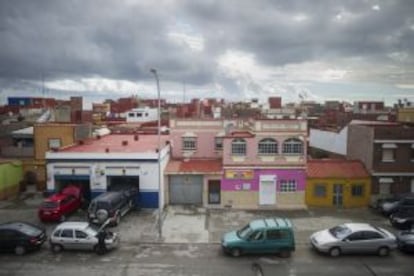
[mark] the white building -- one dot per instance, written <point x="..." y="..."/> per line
<point x="107" y="162"/>
<point x="142" y="115"/>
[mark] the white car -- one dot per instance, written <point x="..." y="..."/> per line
<point x="357" y="238"/>
<point x="80" y="236"/>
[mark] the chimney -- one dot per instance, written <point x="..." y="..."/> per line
<point x="107" y="150"/>
<point x="81" y="142"/>
<point x="136" y="137"/>
<point x="98" y="137"/>
<point x="125" y="143"/>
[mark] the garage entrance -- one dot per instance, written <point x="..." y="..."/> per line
<point x="116" y="183"/>
<point x="83" y="181"/>
<point x="186" y="189"/>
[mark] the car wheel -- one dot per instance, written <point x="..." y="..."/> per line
<point x="102" y="215"/>
<point x="334" y="252"/>
<point x="56" y="248"/>
<point x="19" y="250"/>
<point x="383" y="251"/>
<point x="235" y="252"/>
<point x="285" y="253"/>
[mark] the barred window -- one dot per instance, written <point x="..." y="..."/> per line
<point x="267" y="146"/>
<point x="319" y="190"/>
<point x="293" y="146"/>
<point x="218" y="143"/>
<point x="189" y="143"/>
<point x="288" y="186"/>
<point x="357" y="190"/>
<point x="238" y="147"/>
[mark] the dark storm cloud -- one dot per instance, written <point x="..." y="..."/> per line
<point x="124" y="39"/>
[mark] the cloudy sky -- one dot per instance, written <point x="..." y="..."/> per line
<point x="234" y="49"/>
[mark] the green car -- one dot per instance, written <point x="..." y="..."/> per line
<point x="271" y="235"/>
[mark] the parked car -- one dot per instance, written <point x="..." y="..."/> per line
<point x="271" y="235"/>
<point x="73" y="235"/>
<point x="405" y="240"/>
<point x="398" y="201"/>
<point x="111" y="205"/>
<point x="58" y="206"/>
<point x="21" y="237"/>
<point x="359" y="238"/>
<point x="403" y="219"/>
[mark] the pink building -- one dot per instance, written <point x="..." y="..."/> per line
<point x="262" y="162"/>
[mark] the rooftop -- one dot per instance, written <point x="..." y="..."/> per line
<point x="333" y="168"/>
<point x="194" y="166"/>
<point x="118" y="143"/>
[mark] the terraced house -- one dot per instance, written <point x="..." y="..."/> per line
<point x="248" y="164"/>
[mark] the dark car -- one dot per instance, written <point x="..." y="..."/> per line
<point x="58" y="206"/>
<point x="403" y="219"/>
<point x="111" y="205"/>
<point x="21" y="237"/>
<point x="394" y="204"/>
<point x="405" y="240"/>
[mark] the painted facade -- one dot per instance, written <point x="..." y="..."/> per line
<point x="113" y="160"/>
<point x="11" y="174"/>
<point x="337" y="183"/>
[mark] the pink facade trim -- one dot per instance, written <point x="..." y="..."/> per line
<point x="299" y="175"/>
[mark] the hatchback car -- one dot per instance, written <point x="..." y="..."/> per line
<point x="80" y="236"/>
<point x="21" y="237"/>
<point x="271" y="235"/>
<point x="405" y="240"/>
<point x="398" y="202"/>
<point x="403" y="219"/>
<point x="58" y="206"/>
<point x="359" y="238"/>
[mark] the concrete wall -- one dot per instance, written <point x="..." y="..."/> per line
<point x="360" y="144"/>
<point x="329" y="141"/>
<point x="44" y="132"/>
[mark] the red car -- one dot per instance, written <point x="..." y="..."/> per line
<point x="58" y="206"/>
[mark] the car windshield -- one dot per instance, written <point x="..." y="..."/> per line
<point x="50" y="204"/>
<point x="340" y="231"/>
<point x="29" y="230"/>
<point x="245" y="232"/>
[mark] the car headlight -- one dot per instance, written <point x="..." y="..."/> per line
<point x="400" y="220"/>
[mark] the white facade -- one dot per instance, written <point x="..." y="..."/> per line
<point x="335" y="142"/>
<point x="142" y="115"/>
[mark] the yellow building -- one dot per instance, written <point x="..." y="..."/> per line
<point x="405" y="115"/>
<point x="337" y="183"/>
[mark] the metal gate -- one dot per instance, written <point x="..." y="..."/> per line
<point x="187" y="189"/>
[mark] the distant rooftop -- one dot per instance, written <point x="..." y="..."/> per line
<point x="336" y="168"/>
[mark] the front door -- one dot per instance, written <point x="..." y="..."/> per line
<point x="337" y="195"/>
<point x="267" y="190"/>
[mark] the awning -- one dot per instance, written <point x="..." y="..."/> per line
<point x="386" y="180"/>
<point x="389" y="146"/>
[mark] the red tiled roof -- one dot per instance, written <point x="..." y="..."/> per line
<point x="119" y="143"/>
<point x="194" y="166"/>
<point x="332" y="168"/>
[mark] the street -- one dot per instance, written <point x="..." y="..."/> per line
<point x="198" y="259"/>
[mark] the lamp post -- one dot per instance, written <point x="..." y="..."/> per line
<point x="153" y="71"/>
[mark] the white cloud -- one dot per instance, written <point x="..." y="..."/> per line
<point x="376" y="8"/>
<point x="194" y="42"/>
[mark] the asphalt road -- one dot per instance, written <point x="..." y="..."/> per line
<point x="198" y="259"/>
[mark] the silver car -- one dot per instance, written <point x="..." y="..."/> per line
<point x="80" y="236"/>
<point x="354" y="238"/>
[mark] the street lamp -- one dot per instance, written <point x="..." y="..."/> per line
<point x="153" y="71"/>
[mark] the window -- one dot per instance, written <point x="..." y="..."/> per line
<point x="57" y="233"/>
<point x="267" y="146"/>
<point x="131" y="115"/>
<point x="319" y="190"/>
<point x="80" y="234"/>
<point x="238" y="147"/>
<point x="288" y="186"/>
<point x="218" y="143"/>
<point x="189" y="143"/>
<point x="67" y="233"/>
<point x="371" y="235"/>
<point x="139" y="114"/>
<point x="54" y="143"/>
<point x="277" y="234"/>
<point x="412" y="152"/>
<point x="256" y="236"/>
<point x="293" y="146"/>
<point x="357" y="190"/>
<point x="388" y="155"/>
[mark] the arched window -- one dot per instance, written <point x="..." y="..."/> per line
<point x="293" y="146"/>
<point x="238" y="147"/>
<point x="267" y="146"/>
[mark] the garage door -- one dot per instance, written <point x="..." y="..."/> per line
<point x="116" y="183"/>
<point x="62" y="181"/>
<point x="186" y="189"/>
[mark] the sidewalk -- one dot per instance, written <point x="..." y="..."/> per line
<point x="189" y="224"/>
